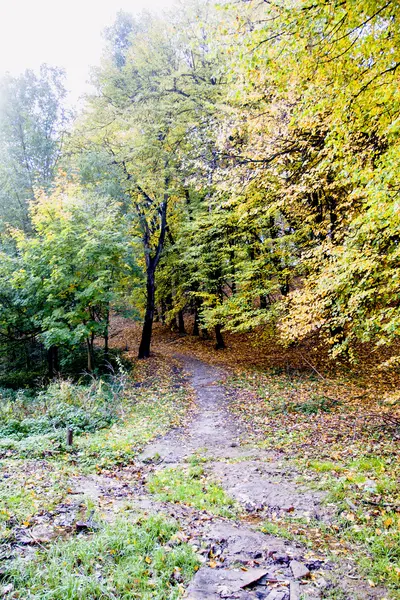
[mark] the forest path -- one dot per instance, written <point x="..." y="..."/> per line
<point x="239" y="561"/>
<point x="252" y="476"/>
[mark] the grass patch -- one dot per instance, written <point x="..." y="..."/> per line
<point x="366" y="496"/>
<point x="277" y="530"/>
<point x="111" y="420"/>
<point x="27" y="488"/>
<point x="36" y="468"/>
<point x="324" y="466"/>
<point x="190" y="486"/>
<point x="141" y="559"/>
<point x="150" y="416"/>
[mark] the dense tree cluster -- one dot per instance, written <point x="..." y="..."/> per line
<point x="237" y="162"/>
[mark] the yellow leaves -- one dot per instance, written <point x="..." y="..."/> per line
<point x="388" y="522"/>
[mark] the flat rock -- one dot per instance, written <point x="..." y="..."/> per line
<point x="209" y="584"/>
<point x="294" y="590"/>
<point x="299" y="570"/>
<point x="242" y="544"/>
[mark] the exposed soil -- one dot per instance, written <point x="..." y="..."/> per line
<point x="239" y="561"/>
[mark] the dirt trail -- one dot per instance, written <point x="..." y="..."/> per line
<point x="253" y="477"/>
<point x="239" y="561"/>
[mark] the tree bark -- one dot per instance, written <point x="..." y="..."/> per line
<point x="151" y="266"/>
<point x="220" y="345"/>
<point x="181" y="323"/>
<point x="90" y="352"/>
<point x="106" y="348"/>
<point x="144" y="348"/>
<point x="163" y="311"/>
<point x="52" y="361"/>
<point x="196" y="324"/>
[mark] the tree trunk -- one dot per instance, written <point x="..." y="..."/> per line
<point x="156" y="315"/>
<point x="106" y="348"/>
<point x="144" y="348"/>
<point x="163" y="311"/>
<point x="220" y="345"/>
<point x="90" y="352"/>
<point x="181" y="323"/>
<point x="151" y="266"/>
<point x="196" y="327"/>
<point x="52" y="361"/>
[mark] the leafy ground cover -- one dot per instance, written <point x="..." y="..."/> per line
<point x="340" y="445"/>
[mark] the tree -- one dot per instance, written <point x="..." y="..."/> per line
<point x="33" y="124"/>
<point x="73" y="267"/>
<point x="147" y="106"/>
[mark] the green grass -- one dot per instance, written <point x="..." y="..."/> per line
<point x="189" y="486"/>
<point x="29" y="487"/>
<point x="129" y="559"/>
<point x="111" y="420"/>
<point x="277" y="530"/>
<point x="119" y="444"/>
<point x="36" y="467"/>
<point x="326" y="466"/>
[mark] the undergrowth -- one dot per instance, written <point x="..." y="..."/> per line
<point x="111" y="420"/>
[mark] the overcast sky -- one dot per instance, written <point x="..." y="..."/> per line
<point x="65" y="34"/>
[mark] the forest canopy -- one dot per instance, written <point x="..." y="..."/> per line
<point x="237" y="163"/>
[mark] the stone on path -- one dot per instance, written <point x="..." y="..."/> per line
<point x="299" y="570"/>
<point x="294" y="590"/>
<point x="42" y="533"/>
<point x="209" y="583"/>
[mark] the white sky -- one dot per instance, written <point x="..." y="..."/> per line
<point x="60" y="33"/>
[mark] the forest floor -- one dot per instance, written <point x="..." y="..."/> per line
<point x="281" y="477"/>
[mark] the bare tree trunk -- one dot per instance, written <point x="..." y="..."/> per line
<point x="151" y="266"/>
<point x="52" y="361"/>
<point x="196" y="324"/>
<point x="90" y="352"/>
<point x="144" y="348"/>
<point x="163" y="311"/>
<point x="106" y="335"/>
<point x="181" y="323"/>
<point x="220" y="345"/>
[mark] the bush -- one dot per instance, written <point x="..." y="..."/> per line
<point x="63" y="404"/>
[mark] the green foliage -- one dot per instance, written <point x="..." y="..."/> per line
<point x="62" y="404"/>
<point x="244" y="158"/>
<point x="127" y="559"/>
<point x="33" y="121"/>
<point x="60" y="283"/>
